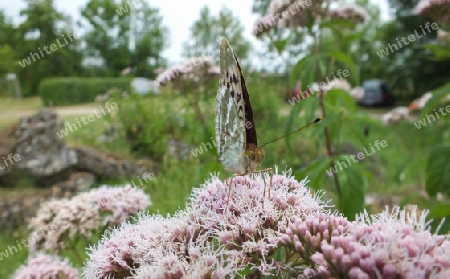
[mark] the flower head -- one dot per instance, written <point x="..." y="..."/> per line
<point x="122" y="202"/>
<point x="443" y="36"/>
<point x="194" y="66"/>
<point x="351" y="12"/>
<point x="44" y="266"/>
<point x="226" y="231"/>
<point x="83" y="214"/>
<point x="338" y="84"/>
<point x="438" y="10"/>
<point x="264" y="24"/>
<point x="357" y="93"/>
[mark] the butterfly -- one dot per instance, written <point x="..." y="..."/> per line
<point x="236" y="138"/>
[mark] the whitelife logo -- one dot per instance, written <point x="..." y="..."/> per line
<point x="53" y="47"/>
<point x="423" y="122"/>
<point x="290" y="11"/>
<point x="90" y="118"/>
<point x="411" y="38"/>
<point x="342" y="165"/>
<point x="323" y="85"/>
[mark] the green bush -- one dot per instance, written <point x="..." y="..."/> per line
<point x="145" y="123"/>
<point x="70" y="91"/>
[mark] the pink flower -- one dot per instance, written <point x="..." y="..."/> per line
<point x="351" y="12"/>
<point x="83" y="214"/>
<point x="290" y="234"/>
<point x="438" y="10"/>
<point x="443" y="36"/>
<point x="298" y="13"/>
<point x="183" y="245"/>
<point x="264" y="24"/>
<point x="44" y="266"/>
<point x="392" y="245"/>
<point x="122" y="202"/>
<point x="357" y="93"/>
<point x="194" y="66"/>
<point x="338" y="84"/>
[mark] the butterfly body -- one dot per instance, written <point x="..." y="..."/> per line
<point x="235" y="127"/>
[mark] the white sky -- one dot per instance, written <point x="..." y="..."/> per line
<point x="178" y="16"/>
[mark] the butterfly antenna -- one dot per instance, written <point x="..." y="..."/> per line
<point x="293" y="132"/>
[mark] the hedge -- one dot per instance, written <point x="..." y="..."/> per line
<point x="70" y="91"/>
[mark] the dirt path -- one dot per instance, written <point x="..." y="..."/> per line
<point x="63" y="111"/>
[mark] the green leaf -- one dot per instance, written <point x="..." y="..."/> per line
<point x="337" y="24"/>
<point x="280" y="45"/>
<point x="437" y="213"/>
<point x="315" y="172"/>
<point x="362" y="118"/>
<point x="246" y="271"/>
<point x="309" y="105"/>
<point x="347" y="60"/>
<point x="353" y="187"/>
<point x="304" y="70"/>
<point x="441" y="52"/>
<point x="438" y="95"/>
<point x="337" y="98"/>
<point x="438" y="171"/>
<point x="439" y="210"/>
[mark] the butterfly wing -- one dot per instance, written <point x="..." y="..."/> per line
<point x="230" y="112"/>
<point x="250" y="131"/>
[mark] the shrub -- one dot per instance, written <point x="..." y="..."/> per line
<point x="69" y="91"/>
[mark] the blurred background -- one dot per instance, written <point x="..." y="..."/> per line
<point x="119" y="92"/>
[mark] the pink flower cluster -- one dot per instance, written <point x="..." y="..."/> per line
<point x="44" y="266"/>
<point x="121" y="202"/>
<point x="291" y="234"/>
<point x="387" y="248"/>
<point x="84" y="214"/>
<point x="443" y="36"/>
<point x="351" y="12"/>
<point x="200" y="65"/>
<point x="303" y="13"/>
<point x="438" y="10"/>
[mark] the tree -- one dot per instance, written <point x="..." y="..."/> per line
<point x="207" y="31"/>
<point x="8" y="37"/>
<point x="43" y="27"/>
<point x="412" y="65"/>
<point x="8" y="63"/>
<point x="148" y="42"/>
<point x="126" y="34"/>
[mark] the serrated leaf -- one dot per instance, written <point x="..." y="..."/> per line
<point x="280" y="45"/>
<point x="438" y="171"/>
<point x="338" y="24"/>
<point x="353" y="187"/>
<point x="338" y="98"/>
<point x="361" y="117"/>
<point x="309" y="105"/>
<point x="441" y="52"/>
<point x="348" y="61"/>
<point x="315" y="172"/>
<point x="305" y="70"/>
<point x="437" y="213"/>
<point x="439" y="210"/>
<point x="246" y="271"/>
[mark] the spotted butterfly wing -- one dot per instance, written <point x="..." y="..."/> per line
<point x="235" y="128"/>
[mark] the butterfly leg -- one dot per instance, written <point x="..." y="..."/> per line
<point x="229" y="188"/>
<point x="270" y="170"/>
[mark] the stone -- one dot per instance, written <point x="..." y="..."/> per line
<point x="42" y="152"/>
